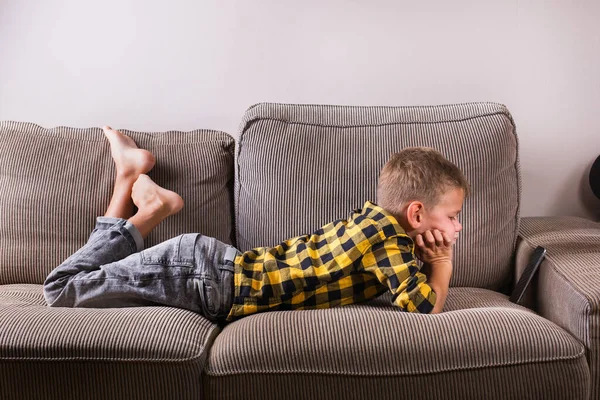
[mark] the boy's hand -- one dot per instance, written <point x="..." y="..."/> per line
<point x="434" y="247"/>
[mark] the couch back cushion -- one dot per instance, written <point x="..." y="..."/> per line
<point x="301" y="166"/>
<point x="56" y="181"/>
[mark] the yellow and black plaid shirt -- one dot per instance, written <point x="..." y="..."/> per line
<point x="344" y="262"/>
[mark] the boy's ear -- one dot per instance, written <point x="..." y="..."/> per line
<point x="414" y="214"/>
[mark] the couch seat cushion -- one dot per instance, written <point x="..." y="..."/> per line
<point x="481" y="346"/>
<point x="145" y="352"/>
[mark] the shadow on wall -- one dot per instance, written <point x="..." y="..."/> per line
<point x="590" y="202"/>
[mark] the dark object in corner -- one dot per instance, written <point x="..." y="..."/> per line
<point x="532" y="266"/>
<point x="595" y="177"/>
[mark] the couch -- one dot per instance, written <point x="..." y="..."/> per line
<point x="290" y="169"/>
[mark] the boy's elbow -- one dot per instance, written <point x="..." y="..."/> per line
<point x="419" y="306"/>
<point x="436" y="310"/>
<point x="439" y="298"/>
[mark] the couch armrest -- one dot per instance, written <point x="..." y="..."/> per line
<point x="567" y="288"/>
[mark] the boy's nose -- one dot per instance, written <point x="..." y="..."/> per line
<point x="457" y="226"/>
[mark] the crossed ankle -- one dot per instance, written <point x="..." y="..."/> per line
<point x="155" y="207"/>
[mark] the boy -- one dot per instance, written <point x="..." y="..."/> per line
<point x="420" y="194"/>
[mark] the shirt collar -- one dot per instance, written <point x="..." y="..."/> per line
<point x="386" y="220"/>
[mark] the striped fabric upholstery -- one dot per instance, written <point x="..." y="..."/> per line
<point x="568" y="284"/>
<point x="526" y="381"/>
<point x="302" y="166"/>
<point x="375" y="351"/>
<point x="129" y="353"/>
<point x="56" y="181"/>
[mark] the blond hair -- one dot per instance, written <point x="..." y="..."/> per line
<point x="417" y="173"/>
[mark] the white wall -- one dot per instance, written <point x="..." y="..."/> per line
<point x="157" y="65"/>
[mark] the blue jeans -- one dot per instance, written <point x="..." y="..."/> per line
<point x="190" y="271"/>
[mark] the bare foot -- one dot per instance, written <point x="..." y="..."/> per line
<point x="153" y="200"/>
<point x="130" y="160"/>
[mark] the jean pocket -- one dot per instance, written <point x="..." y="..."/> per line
<point x="210" y="297"/>
<point x="175" y="252"/>
<point x="226" y="266"/>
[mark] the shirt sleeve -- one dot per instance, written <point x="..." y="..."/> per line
<point x="394" y="265"/>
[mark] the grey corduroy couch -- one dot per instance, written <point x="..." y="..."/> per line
<point x="292" y="169"/>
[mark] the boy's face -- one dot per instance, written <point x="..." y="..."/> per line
<point x="444" y="215"/>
